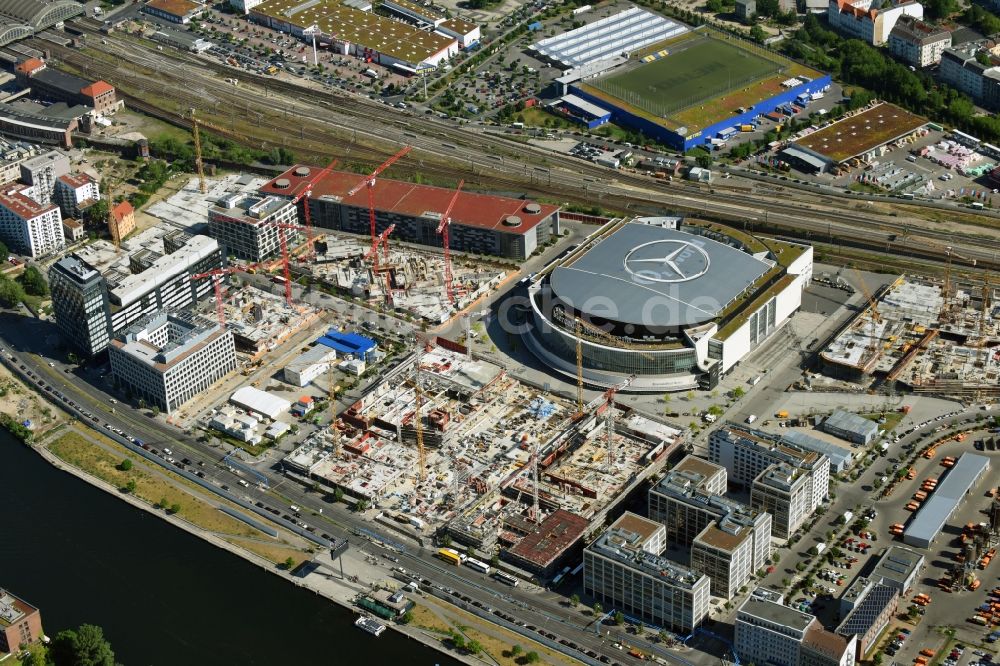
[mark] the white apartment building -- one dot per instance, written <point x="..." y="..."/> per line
<point x="41" y="172"/>
<point x="73" y="191"/>
<point x="746" y="452"/>
<point x="248" y="226"/>
<point x="170" y="357"/>
<point x="783" y="491"/>
<point x="729" y="541"/>
<point x="858" y="18"/>
<point x="768" y="632"/>
<point x="623" y="569"/>
<point x="28" y="227"/>
<point x="918" y="43"/>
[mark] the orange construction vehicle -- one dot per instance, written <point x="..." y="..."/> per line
<point x="911" y="474"/>
<point x="929" y="453"/>
<point x="912" y="506"/>
<point x="920" y="496"/>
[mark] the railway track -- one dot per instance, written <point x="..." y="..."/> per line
<point x="356" y="129"/>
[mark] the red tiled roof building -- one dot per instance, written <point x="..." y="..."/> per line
<point x="480" y="223"/>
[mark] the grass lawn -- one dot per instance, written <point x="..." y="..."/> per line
<point x="36" y="649"/>
<point x="273" y="552"/>
<point x="424" y="618"/>
<point x="499" y="649"/>
<point x="76" y="450"/>
<point x="892" y="420"/>
<point x="701" y="71"/>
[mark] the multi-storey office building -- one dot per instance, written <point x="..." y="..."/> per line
<point x="80" y="300"/>
<point x="872" y="606"/>
<point x="783" y="491"/>
<point x="27" y="226"/>
<point x="623" y="569"/>
<point x="156" y="280"/>
<point x="169" y="357"/>
<point x="249" y="227"/>
<point x="768" y="632"/>
<point x="746" y="452"/>
<point x="728" y="540"/>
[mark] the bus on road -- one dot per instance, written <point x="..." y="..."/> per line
<point x="451" y="556"/>
<point x="505" y="578"/>
<point x="481" y="567"/>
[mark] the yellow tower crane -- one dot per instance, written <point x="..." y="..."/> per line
<point x="418" y="423"/>
<point x="332" y="395"/>
<point x="197" y="156"/>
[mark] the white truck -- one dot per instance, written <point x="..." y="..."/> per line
<point x="820" y="547"/>
<point x="751" y="418"/>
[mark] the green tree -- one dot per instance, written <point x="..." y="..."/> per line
<point x="619" y="618"/>
<point x="289" y="563"/>
<point x="406" y="618"/>
<point x="738" y="392"/>
<point x="4" y="252"/>
<point x="516" y="651"/>
<point x="446" y="540"/>
<point x="163" y="503"/>
<point x="877" y="659"/>
<point x="125" y="465"/>
<point x="574" y="600"/>
<point x="11" y="292"/>
<point x="532" y="657"/>
<point x="85" y="646"/>
<point x="155" y="410"/>
<point x="97" y="214"/>
<point x="175" y="508"/>
<point x="597" y="608"/>
<point x="34" y="282"/>
<point x="458" y="640"/>
<point x="704" y="160"/>
<point x="939" y="9"/>
<point x="338" y="494"/>
<point x="757" y="33"/>
<point x="130" y="486"/>
<point x="474" y="647"/>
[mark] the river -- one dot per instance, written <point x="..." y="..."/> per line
<point x="162" y="595"/>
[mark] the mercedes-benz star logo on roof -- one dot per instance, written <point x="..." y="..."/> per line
<point x="667" y="261"/>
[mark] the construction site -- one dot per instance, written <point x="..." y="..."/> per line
<point x="494" y="463"/>
<point x="935" y="337"/>
<point x="411" y="280"/>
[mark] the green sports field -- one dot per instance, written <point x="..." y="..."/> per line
<point x="697" y="73"/>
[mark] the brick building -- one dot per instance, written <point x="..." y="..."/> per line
<point x="20" y="622"/>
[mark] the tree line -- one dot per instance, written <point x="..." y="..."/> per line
<point x="855" y="62"/>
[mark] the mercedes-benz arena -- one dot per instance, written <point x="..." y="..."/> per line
<point x="677" y="303"/>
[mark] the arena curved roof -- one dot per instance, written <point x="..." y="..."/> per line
<point x="22" y="18"/>
<point x="40" y="14"/>
<point x="652" y="276"/>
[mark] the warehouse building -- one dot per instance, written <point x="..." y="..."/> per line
<point x="55" y="85"/>
<point x="480" y="223"/>
<point x="425" y="17"/>
<point x="309" y="365"/>
<point x="623" y="569"/>
<point x="175" y="11"/>
<point x="349" y="344"/>
<point x="248" y="227"/>
<point x="840" y="458"/>
<point x="853" y="428"/>
<point x="873" y="606"/>
<point x="950" y="492"/>
<point x="351" y="28"/>
<point x="899" y="568"/>
<point x="168" y="358"/>
<point x="256" y="401"/>
<point x="52" y="124"/>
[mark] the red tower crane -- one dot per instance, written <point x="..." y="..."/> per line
<point x="372" y="255"/>
<point x="369" y="183"/>
<point x="305" y="192"/>
<point x="216" y="276"/>
<point x="443" y="230"/>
